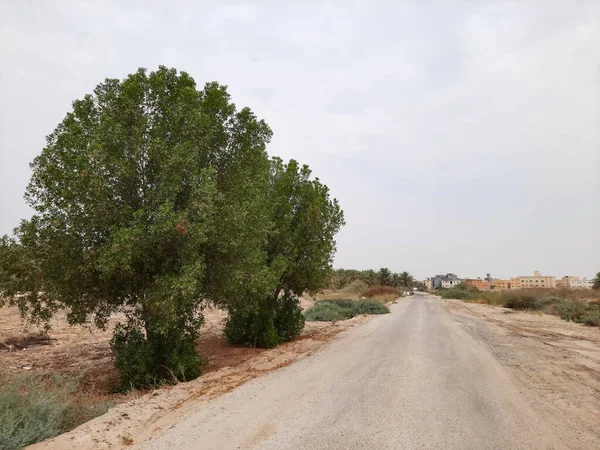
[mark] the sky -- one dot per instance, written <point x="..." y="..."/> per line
<point x="458" y="136"/>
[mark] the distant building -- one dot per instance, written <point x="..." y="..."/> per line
<point x="500" y="285"/>
<point x="584" y="283"/>
<point x="537" y="281"/>
<point x="565" y="282"/>
<point x="450" y="283"/>
<point x="427" y="284"/>
<point x="515" y="283"/>
<point x="480" y="284"/>
<point x="436" y="282"/>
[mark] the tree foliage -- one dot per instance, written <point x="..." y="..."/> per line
<point x="406" y="279"/>
<point x="152" y="196"/>
<point x="299" y="249"/>
<point x="384" y="276"/>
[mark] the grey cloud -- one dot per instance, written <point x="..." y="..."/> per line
<point x="457" y="136"/>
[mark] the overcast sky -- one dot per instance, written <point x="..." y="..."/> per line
<point x="458" y="136"/>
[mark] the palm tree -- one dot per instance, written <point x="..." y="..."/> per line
<point x="596" y="284"/>
<point x="385" y="276"/>
<point x="370" y="277"/>
<point x="396" y="281"/>
<point x="406" y="279"/>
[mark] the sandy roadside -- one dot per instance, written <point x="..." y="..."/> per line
<point x="138" y="419"/>
<point x="556" y="362"/>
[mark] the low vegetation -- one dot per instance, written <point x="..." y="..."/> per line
<point x="574" y="305"/>
<point x="332" y="310"/>
<point x="383" y="294"/>
<point x="34" y="408"/>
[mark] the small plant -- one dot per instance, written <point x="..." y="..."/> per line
<point x="127" y="440"/>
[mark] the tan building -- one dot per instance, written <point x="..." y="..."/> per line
<point x="427" y="284"/>
<point x="500" y="285"/>
<point x="537" y="281"/>
<point x="565" y="282"/>
<point x="515" y="283"/>
<point x="584" y="283"/>
<point x="480" y="284"/>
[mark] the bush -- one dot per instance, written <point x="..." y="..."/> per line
<point x="457" y="293"/>
<point x="288" y="320"/>
<point x="265" y="326"/>
<point x="572" y="311"/>
<point x="251" y="326"/>
<point x="520" y="302"/>
<point x="380" y="290"/>
<point x="146" y="359"/>
<point x="33" y="408"/>
<point x="325" y="311"/>
<point x="591" y="318"/>
<point x="544" y="302"/>
<point x="332" y="310"/>
<point x="370" y="307"/>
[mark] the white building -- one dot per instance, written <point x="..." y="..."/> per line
<point x="450" y="283"/>
<point x="584" y="283"/>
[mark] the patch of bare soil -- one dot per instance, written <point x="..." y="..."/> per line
<point x="138" y="420"/>
<point x="558" y="361"/>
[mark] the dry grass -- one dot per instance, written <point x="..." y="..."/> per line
<point x="375" y="291"/>
<point x="126" y="440"/>
<point x="568" y="294"/>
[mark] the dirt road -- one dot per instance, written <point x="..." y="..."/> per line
<point x="421" y="377"/>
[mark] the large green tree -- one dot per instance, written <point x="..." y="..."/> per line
<point x="149" y="197"/>
<point x="299" y="249"/>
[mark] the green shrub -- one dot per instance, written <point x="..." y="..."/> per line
<point x="458" y="294"/>
<point x="520" y="302"/>
<point x="325" y="311"/>
<point x="543" y="303"/>
<point x="251" y="326"/>
<point x="331" y="310"/>
<point x="591" y="318"/>
<point x="288" y="320"/>
<point x="572" y="311"/>
<point x="370" y="307"/>
<point x="147" y="359"/>
<point x="33" y="408"/>
<point x="263" y="325"/>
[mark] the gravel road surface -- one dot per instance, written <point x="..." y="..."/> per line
<point x="413" y="379"/>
